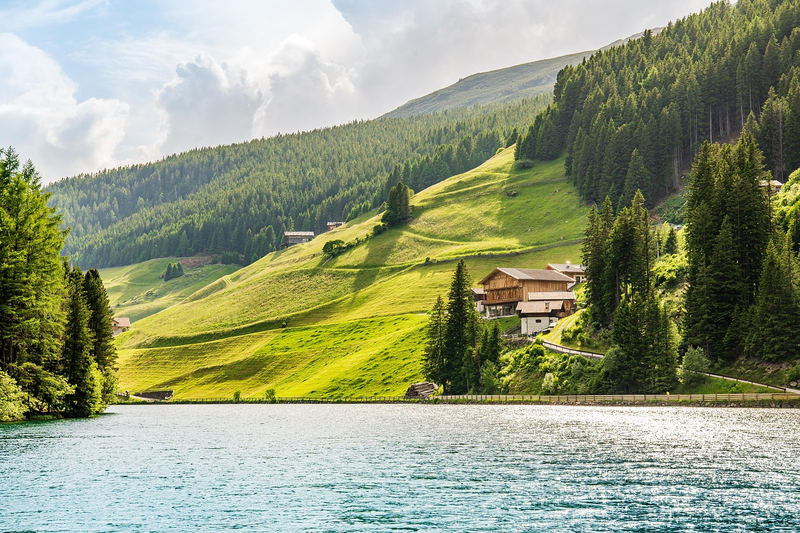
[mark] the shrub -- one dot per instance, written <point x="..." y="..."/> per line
<point x="10" y="399"/>
<point x="694" y="363"/>
<point x="269" y="394"/>
<point x="521" y="164"/>
<point x="237" y="396"/>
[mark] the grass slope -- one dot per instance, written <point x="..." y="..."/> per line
<point x="502" y="85"/>
<point x="305" y="324"/>
<point x="138" y="291"/>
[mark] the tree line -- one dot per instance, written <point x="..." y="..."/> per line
<point x="56" y="349"/>
<point x="241" y="198"/>
<point x="632" y="117"/>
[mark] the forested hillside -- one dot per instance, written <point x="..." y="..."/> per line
<point x="633" y="117"/>
<point x="240" y="198"/>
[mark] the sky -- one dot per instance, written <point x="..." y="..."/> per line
<point x="93" y="84"/>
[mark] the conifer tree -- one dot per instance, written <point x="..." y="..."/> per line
<point x="671" y="242"/>
<point x="433" y="367"/>
<point x="774" y="335"/>
<point x="79" y="367"/>
<point x="461" y="330"/>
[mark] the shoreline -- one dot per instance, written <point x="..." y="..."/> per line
<point x="772" y="400"/>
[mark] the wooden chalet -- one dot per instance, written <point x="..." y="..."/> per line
<point x="543" y="309"/>
<point x="120" y="324"/>
<point x="506" y="287"/>
<point x="290" y="238"/>
<point x="333" y="225"/>
<point x="576" y="272"/>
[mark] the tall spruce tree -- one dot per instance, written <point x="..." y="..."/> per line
<point x="31" y="274"/>
<point x="79" y="367"/>
<point x="433" y="367"/>
<point x="104" y="352"/>
<point x="774" y="335"/>
<point x="461" y="330"/>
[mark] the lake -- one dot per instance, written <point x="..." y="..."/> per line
<point x="404" y="468"/>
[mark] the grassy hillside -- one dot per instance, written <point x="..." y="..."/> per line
<point x="137" y="291"/>
<point x="305" y="324"/>
<point x="535" y="79"/>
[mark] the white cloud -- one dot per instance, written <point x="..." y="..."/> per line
<point x="41" y="117"/>
<point x="208" y="104"/>
<point x="306" y="89"/>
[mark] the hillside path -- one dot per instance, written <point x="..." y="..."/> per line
<point x="595" y="355"/>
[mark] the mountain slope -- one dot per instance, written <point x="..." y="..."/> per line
<point x="305" y="324"/>
<point x="534" y="79"/>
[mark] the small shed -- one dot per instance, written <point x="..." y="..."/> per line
<point x="576" y="272"/>
<point x="290" y="238"/>
<point x="333" y="225"/>
<point x="421" y="391"/>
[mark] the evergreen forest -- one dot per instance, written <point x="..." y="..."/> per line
<point x="634" y="116"/>
<point x="241" y="198"/>
<point x="57" y="356"/>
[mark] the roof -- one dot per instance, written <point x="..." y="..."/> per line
<point x="540" y="307"/>
<point x="559" y="295"/>
<point x="298" y="233"/>
<point x="530" y="274"/>
<point x="121" y="322"/>
<point x="478" y="291"/>
<point x="567" y="267"/>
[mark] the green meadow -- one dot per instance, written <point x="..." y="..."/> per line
<point x="302" y="323"/>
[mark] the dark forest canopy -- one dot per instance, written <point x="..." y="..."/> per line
<point x="632" y="117"/>
<point x="240" y="198"/>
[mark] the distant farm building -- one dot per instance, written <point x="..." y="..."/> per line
<point x="543" y="309"/>
<point x="539" y="296"/>
<point x="576" y="272"/>
<point x="120" y="324"/>
<point x="775" y="186"/>
<point x="290" y="238"/>
<point x="333" y="225"/>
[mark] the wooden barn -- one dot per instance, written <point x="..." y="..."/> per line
<point x="290" y="238"/>
<point x="333" y="225"/>
<point x="543" y="309"/>
<point x="505" y="287"/>
<point x="576" y="272"/>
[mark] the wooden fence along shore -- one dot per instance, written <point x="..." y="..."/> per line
<point x="755" y="399"/>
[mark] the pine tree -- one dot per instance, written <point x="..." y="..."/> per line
<point x="671" y="242"/>
<point x="774" y="335"/>
<point x="460" y="330"/>
<point x="433" y="367"/>
<point x="78" y="365"/>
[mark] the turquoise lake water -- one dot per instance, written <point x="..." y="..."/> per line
<point x="404" y="468"/>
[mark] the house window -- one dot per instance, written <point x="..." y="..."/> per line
<point x="538" y="320"/>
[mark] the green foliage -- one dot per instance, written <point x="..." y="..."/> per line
<point x="270" y="396"/>
<point x="433" y="359"/>
<point x="79" y="367"/>
<point x="671" y="242"/>
<point x="398" y="207"/>
<point x="237" y="396"/>
<point x="461" y="332"/>
<point x="670" y="271"/>
<point x="334" y="247"/>
<point x="773" y="334"/>
<point x="240" y="198"/>
<point x="175" y="270"/>
<point x="662" y="95"/>
<point x="488" y="382"/>
<point x="103" y="350"/>
<point x="11" y="406"/>
<point x="229" y="258"/>
<point x="693" y="366"/>
<point x="726" y="236"/>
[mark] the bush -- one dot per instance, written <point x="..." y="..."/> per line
<point x="237" y="396"/>
<point x="694" y="363"/>
<point x="794" y="373"/>
<point x="521" y="164"/>
<point x="11" y="395"/>
<point x="229" y="258"/>
<point x="269" y="394"/>
<point x="489" y="378"/>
